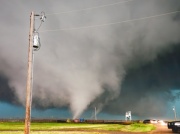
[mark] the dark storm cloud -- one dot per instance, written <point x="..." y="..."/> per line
<point x="7" y="94"/>
<point x="75" y="67"/>
<point x="146" y="89"/>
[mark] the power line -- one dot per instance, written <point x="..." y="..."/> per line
<point x="90" y="8"/>
<point x="113" y="23"/>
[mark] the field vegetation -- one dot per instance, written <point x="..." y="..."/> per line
<point x="73" y="128"/>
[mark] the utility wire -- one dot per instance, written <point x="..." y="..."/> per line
<point x="38" y="27"/>
<point x="90" y="8"/>
<point x="113" y="23"/>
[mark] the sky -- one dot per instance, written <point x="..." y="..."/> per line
<point x="115" y="55"/>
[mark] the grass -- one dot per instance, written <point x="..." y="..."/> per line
<point x="44" y="132"/>
<point x="72" y="128"/>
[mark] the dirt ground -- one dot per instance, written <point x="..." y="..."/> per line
<point x="160" y="129"/>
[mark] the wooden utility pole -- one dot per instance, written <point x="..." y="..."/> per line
<point x="29" y="77"/>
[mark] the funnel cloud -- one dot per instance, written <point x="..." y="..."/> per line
<point x="116" y="67"/>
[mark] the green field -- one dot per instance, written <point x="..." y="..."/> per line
<point x="72" y="128"/>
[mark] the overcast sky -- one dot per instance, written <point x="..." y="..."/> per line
<point x="115" y="55"/>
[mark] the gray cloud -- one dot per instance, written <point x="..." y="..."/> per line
<point x="84" y="67"/>
<point x="147" y="89"/>
<point x="6" y="92"/>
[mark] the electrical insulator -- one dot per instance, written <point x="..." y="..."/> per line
<point x="43" y="17"/>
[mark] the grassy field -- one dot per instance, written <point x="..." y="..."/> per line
<point x="72" y="128"/>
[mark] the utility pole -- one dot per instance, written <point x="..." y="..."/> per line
<point x="174" y="109"/>
<point x="34" y="45"/>
<point x="29" y="77"/>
